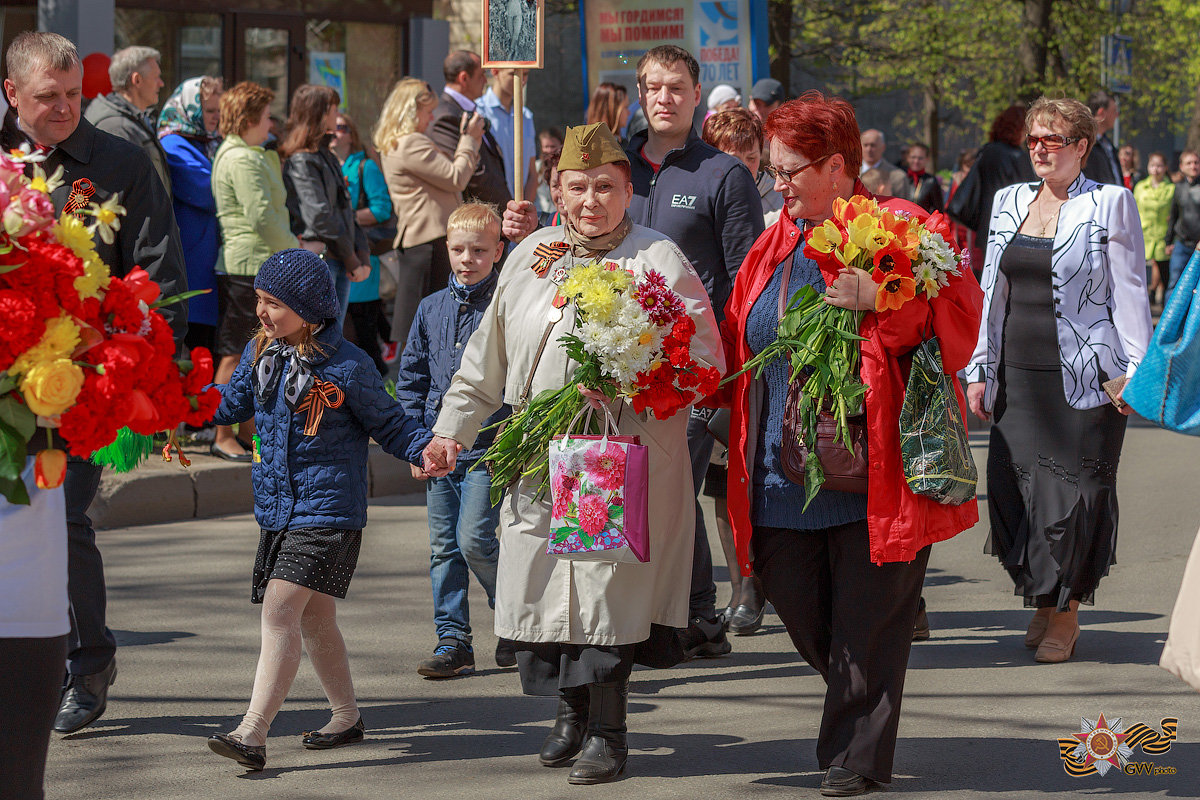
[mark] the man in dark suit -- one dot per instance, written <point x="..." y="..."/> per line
<point x="465" y="83"/>
<point x="1102" y="165"/>
<point x="44" y="87"/>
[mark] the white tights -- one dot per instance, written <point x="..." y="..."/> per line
<point x="293" y="614"/>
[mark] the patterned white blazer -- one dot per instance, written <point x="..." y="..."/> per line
<point x="1099" y="286"/>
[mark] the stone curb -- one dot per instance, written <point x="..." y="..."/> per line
<point x="158" y="491"/>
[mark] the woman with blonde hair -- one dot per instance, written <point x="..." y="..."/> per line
<point x="425" y="187"/>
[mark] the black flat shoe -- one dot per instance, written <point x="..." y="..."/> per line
<point x="841" y="782"/>
<point x="249" y="756"/>
<point x="219" y="453"/>
<point x="327" y="741"/>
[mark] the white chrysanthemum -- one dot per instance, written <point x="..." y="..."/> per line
<point x="936" y="262"/>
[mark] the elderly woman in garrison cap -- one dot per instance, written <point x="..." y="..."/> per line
<point x="580" y="626"/>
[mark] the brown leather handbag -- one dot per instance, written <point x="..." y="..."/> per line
<point x="845" y="468"/>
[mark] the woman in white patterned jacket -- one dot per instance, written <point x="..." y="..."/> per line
<point x="1065" y="313"/>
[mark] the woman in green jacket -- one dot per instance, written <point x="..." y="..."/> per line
<point x="1153" y="196"/>
<point x="252" y="210"/>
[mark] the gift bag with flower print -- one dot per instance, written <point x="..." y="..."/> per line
<point x="599" y="488"/>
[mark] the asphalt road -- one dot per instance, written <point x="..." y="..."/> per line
<point x="980" y="718"/>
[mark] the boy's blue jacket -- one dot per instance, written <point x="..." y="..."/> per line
<point x="321" y="480"/>
<point x="444" y="323"/>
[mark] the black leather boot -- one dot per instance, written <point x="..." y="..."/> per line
<point x="566" y="737"/>
<point x="605" y="751"/>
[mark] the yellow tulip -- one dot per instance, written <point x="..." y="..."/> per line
<point x="826" y="237"/>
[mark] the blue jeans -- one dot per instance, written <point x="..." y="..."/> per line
<point x="462" y="535"/>
<point x="1180" y="256"/>
<point x="341" y="284"/>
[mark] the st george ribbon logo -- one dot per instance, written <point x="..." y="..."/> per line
<point x="1102" y="744"/>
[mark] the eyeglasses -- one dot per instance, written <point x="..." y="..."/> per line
<point x="342" y="127"/>
<point x="788" y="175"/>
<point x="1052" y="142"/>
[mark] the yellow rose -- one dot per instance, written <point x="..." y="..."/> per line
<point x="50" y="388"/>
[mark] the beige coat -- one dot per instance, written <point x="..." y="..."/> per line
<point x="540" y="598"/>
<point x="426" y="186"/>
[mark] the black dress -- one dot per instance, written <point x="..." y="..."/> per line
<point x="1052" y="469"/>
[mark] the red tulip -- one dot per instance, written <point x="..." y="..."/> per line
<point x="49" y="468"/>
<point x="144" y="289"/>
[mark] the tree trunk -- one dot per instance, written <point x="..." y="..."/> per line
<point x="1193" y="134"/>
<point x="779" y="22"/>
<point x="930" y="114"/>
<point x="1033" y="53"/>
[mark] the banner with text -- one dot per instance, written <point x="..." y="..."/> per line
<point x="619" y="32"/>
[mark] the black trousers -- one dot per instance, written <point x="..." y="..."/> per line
<point x="91" y="644"/>
<point x="30" y="689"/>
<point x="366" y="326"/>
<point x="424" y="269"/>
<point x="852" y="621"/>
<point x="702" y="601"/>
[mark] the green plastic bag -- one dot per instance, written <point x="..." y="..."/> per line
<point x="933" y="436"/>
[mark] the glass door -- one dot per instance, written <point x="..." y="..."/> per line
<point x="269" y="49"/>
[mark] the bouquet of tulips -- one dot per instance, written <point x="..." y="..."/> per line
<point x="632" y="340"/>
<point x="80" y="350"/>
<point x="904" y="258"/>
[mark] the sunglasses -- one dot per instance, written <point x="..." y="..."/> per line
<point x="1052" y="142"/>
<point x="788" y="175"/>
<point x="342" y="128"/>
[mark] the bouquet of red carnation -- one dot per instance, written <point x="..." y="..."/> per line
<point x="80" y="350"/>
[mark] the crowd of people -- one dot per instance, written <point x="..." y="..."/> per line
<point x="302" y="235"/>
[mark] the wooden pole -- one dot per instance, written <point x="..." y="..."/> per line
<point x="518" y="136"/>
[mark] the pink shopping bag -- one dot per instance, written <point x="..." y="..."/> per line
<point x="600" y="491"/>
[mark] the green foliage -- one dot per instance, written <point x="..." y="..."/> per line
<point x="970" y="59"/>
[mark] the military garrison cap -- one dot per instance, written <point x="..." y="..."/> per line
<point x="589" y="146"/>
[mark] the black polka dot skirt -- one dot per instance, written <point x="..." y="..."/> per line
<point x="321" y="559"/>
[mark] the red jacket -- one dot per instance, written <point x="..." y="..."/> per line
<point x="899" y="522"/>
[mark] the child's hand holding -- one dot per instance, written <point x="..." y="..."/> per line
<point x="440" y="456"/>
<point x="418" y="473"/>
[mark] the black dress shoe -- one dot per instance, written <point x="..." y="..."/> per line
<point x="85" y="699"/>
<point x="327" y="741"/>
<point x="219" y="453"/>
<point x="249" y="756"/>
<point x="921" y="625"/>
<point x="746" y="619"/>
<point x="841" y="782"/>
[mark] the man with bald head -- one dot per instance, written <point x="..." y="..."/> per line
<point x="873" y="146"/>
<point x="44" y="89"/>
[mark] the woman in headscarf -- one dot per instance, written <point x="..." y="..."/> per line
<point x="577" y="626"/>
<point x="188" y="132"/>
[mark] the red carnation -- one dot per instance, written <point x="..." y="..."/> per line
<point x="20" y="327"/>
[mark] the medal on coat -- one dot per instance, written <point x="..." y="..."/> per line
<point x="556" y="306"/>
<point x="546" y="255"/>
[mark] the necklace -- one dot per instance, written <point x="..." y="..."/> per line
<point x="1046" y="222"/>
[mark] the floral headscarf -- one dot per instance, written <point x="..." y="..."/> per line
<point x="183" y="114"/>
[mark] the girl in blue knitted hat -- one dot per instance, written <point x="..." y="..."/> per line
<point x="316" y="400"/>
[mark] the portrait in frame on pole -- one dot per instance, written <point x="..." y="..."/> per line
<point x="513" y="33"/>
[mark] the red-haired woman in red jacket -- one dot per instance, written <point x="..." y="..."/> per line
<point x="844" y="575"/>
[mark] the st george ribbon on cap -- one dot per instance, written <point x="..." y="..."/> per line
<point x="590" y="146"/>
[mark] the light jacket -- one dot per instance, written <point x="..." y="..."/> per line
<point x="899" y="522"/>
<point x="113" y="114"/>
<point x="1154" y="207"/>
<point x="251" y="205"/>
<point x="426" y="186"/>
<point x="540" y="598"/>
<point x="1101" y="308"/>
<point x="320" y="480"/>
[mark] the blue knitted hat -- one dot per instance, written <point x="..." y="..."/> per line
<point x="302" y="281"/>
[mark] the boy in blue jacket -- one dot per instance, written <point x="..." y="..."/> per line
<point x="316" y="400"/>
<point x="462" y="520"/>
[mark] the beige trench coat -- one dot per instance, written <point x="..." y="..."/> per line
<point x="540" y="598"/>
